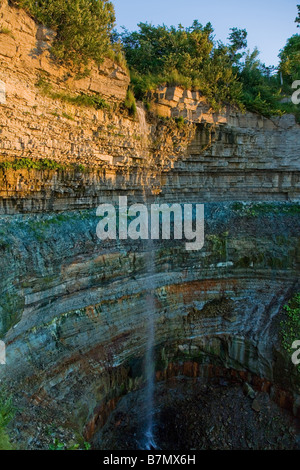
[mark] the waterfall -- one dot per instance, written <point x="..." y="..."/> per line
<point x="149" y="358"/>
<point x="149" y="367"/>
<point x="144" y="127"/>
<point x="148" y="441"/>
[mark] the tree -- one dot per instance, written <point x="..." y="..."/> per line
<point x="290" y="58"/>
<point x="238" y="41"/>
<point x="297" y="20"/>
<point x="187" y="57"/>
<point x="82" y="27"/>
<point x="161" y="49"/>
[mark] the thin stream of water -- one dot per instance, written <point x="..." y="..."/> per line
<point x="148" y="441"/>
<point x="149" y="360"/>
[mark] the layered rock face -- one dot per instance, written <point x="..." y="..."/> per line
<point x="25" y="57"/>
<point x="247" y="158"/>
<point x="73" y="308"/>
<point x="238" y="156"/>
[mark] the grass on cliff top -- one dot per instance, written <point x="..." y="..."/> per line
<point x="38" y="164"/>
<point x="83" y="28"/>
<point x="89" y="101"/>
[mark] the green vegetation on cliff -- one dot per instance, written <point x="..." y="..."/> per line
<point x="161" y="55"/>
<point x="182" y="56"/>
<point x="297" y="20"/>
<point x="82" y="27"/>
<point x="289" y="66"/>
<point x="290" y="59"/>
<point x="40" y="164"/>
<point x="225" y="73"/>
<point x="290" y="327"/>
<point x="90" y="101"/>
<point x="7" y="412"/>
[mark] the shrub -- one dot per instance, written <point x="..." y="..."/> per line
<point x="6" y="31"/>
<point x="224" y="73"/>
<point x="186" y="57"/>
<point x="40" y="164"/>
<point x="31" y="164"/>
<point x="90" y="101"/>
<point x="290" y="327"/>
<point x="7" y="412"/>
<point x="130" y="103"/>
<point x="180" y="121"/>
<point x="290" y="60"/>
<point x="82" y="27"/>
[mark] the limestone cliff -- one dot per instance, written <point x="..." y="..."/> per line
<point x="241" y="156"/>
<point x="72" y="308"/>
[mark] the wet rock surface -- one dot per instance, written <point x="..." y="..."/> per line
<point x="194" y="415"/>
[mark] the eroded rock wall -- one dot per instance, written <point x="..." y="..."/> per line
<point x="229" y="155"/>
<point x="73" y="308"/>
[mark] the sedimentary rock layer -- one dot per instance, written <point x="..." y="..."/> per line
<point x="73" y="309"/>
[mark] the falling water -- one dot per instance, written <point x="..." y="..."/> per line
<point x="144" y="128"/>
<point x="149" y="360"/>
<point x="148" y="441"/>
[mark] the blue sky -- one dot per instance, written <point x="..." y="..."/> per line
<point x="269" y="22"/>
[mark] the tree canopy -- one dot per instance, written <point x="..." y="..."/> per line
<point x="290" y="58"/>
<point x="161" y="55"/>
<point x="184" y="56"/>
<point x="297" y="20"/>
<point x="82" y="27"/>
<point x="225" y="73"/>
